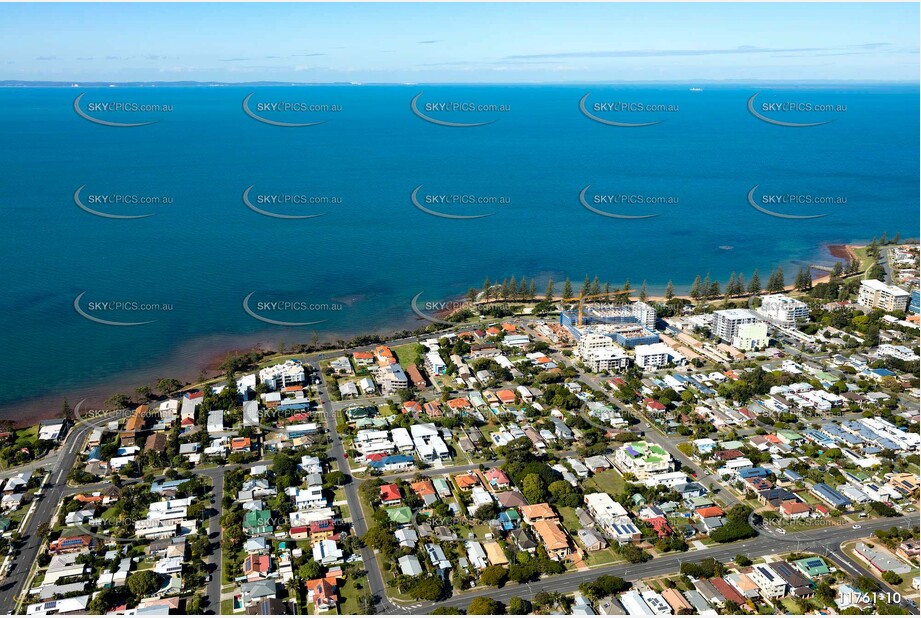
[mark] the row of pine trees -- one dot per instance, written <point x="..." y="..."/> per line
<point x="703" y="288"/>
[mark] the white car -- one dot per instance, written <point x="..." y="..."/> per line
<point x="856" y="527"/>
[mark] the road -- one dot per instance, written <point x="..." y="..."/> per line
<point x="376" y="586"/>
<point x="656" y="436"/>
<point x="56" y="487"/>
<point x="216" y="556"/>
<point x="826" y="542"/>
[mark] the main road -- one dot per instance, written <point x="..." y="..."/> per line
<point x="59" y="466"/>
<point x="825" y="542"/>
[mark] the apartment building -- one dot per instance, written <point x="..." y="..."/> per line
<point x="878" y="295"/>
<point x="642" y="459"/>
<point x="782" y="310"/>
<point x="727" y="322"/>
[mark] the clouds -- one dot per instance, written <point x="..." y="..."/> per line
<point x="671" y="53"/>
<point x="396" y="43"/>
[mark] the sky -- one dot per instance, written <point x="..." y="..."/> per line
<point x="459" y="43"/>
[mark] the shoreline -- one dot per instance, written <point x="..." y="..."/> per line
<point x="202" y="357"/>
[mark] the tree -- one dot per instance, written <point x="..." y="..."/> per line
<point x="487" y="284"/>
<point x="567" y="288"/>
<point x="696" y="288"/>
<point x="428" y="587"/>
<point x="494" y="576"/>
<point x="754" y="286"/>
<point x="643" y="293"/>
<point x="143" y="583"/>
<point x="548" y="295"/>
<point x="487" y="512"/>
<point x="519" y="607"/>
<point x="563" y="494"/>
<point x="891" y="577"/>
<point x="168" y="386"/>
<point x="731" y="286"/>
<point x="534" y="489"/>
<point x="743" y="560"/>
<point x="669" y="291"/>
<point x="119" y="400"/>
<point x="378" y="538"/>
<point x="310" y="570"/>
<point x="775" y="281"/>
<point x="447" y="610"/>
<point x="714" y="289"/>
<point x="604" y="586"/>
<point x="483" y="606"/>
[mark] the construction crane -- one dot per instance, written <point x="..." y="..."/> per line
<point x="581" y="298"/>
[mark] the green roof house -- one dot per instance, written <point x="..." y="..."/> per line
<point x="400" y="515"/>
<point x="257" y="523"/>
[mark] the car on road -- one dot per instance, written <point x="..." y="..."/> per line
<point x="780" y="530"/>
<point x="856" y="526"/>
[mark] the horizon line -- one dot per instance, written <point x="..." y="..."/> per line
<point x="13" y="83"/>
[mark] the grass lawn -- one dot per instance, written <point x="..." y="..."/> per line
<point x="408" y="354"/>
<point x="26" y="436"/>
<point x="790" y="605"/>
<point x="604" y="556"/>
<point x="349" y="592"/>
<point x="905" y="587"/>
<point x="609" y="481"/>
<point x="570" y="520"/>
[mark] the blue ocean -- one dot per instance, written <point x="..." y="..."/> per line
<point x="370" y="179"/>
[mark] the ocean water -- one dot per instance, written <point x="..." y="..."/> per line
<point x="372" y="250"/>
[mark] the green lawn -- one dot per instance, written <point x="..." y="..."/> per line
<point x="349" y="591"/>
<point x="570" y="520"/>
<point x="26" y="436"/>
<point x="408" y="354"/>
<point x="604" y="556"/>
<point x="609" y="481"/>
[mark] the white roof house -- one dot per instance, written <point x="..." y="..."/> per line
<point x="215" y="421"/>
